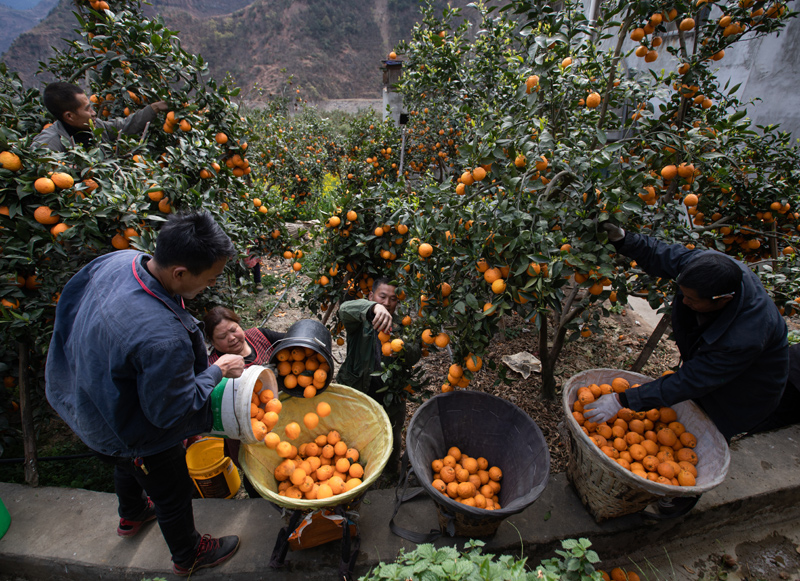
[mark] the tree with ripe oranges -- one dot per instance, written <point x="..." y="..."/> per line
<point x="58" y="211"/>
<point x="544" y="116"/>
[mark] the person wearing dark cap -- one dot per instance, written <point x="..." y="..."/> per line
<point x="731" y="337"/>
<point x="75" y="115"/>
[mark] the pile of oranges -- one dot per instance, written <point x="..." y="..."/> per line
<point x="619" y="574"/>
<point x="652" y="444"/>
<point x="467" y="480"/>
<point x="318" y="469"/>
<point x="303" y="367"/>
<point x="264" y="410"/>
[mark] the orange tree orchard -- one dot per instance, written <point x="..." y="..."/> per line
<point x="551" y="141"/>
<point x="60" y="210"/>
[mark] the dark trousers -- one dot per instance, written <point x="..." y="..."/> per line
<point x="257" y="273"/>
<point x="169" y="486"/>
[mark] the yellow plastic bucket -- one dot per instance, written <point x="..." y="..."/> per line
<point x="213" y="473"/>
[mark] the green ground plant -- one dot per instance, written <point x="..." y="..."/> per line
<point x="574" y="563"/>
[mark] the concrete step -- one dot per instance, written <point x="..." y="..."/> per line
<point x="69" y="534"/>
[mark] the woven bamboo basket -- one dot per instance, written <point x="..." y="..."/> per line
<point x="606" y="488"/>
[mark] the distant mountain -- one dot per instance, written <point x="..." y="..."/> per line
<point x="18" y="16"/>
<point x="333" y="48"/>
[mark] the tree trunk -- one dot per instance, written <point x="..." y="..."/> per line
<point x="26" y="411"/>
<point x="548" y="364"/>
<point x="650" y="346"/>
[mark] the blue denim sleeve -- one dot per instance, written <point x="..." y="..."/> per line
<point x="169" y="390"/>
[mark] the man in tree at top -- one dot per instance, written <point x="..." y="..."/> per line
<point x="75" y="116"/>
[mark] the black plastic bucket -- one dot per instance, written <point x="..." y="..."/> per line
<point x="479" y="424"/>
<point x="304" y="333"/>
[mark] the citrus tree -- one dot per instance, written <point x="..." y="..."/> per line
<point x="60" y="210"/>
<point x="539" y="92"/>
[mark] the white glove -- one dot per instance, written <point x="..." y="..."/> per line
<point x="615" y="233"/>
<point x="602" y="409"/>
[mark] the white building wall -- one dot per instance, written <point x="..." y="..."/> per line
<point x="767" y="68"/>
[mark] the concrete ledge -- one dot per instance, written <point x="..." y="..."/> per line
<point x="69" y="534"/>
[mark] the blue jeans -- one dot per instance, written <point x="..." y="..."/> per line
<point x="169" y="486"/>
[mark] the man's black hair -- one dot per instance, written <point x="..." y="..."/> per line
<point x="61" y="97"/>
<point x="380" y="281"/>
<point x="711" y="274"/>
<point x="193" y="240"/>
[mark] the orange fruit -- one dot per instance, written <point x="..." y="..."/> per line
<point x="442" y="340"/>
<point x="311" y="420"/>
<point x="10" y="161"/>
<point x="666" y="437"/>
<point x="323" y="409"/>
<point x="44" y="186"/>
<point x="272" y="440"/>
<point x="427" y="337"/>
<point x="619" y="384"/>
<point x="618" y="574"/>
<point x="669" y="172"/>
<point x="62" y="180"/>
<point x="58" y="229"/>
<point x="324" y="491"/>
<point x="425" y="250"/>
<point x="156" y="196"/>
<point x="44" y="215"/>
<point x="292" y="430"/>
<point x="593" y="100"/>
<point x="687" y="455"/>
<point x="259" y="429"/>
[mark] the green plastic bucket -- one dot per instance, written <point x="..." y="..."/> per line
<point x="5" y="519"/>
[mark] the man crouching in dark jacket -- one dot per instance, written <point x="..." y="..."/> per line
<point x="730" y="334"/>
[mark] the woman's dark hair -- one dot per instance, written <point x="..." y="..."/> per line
<point x="192" y="240"/>
<point x="61" y="97"/>
<point x="711" y="274"/>
<point x="214" y="317"/>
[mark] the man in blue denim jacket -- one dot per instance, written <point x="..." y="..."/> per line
<point x="127" y="370"/>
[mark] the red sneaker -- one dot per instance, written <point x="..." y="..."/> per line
<point x="129" y="527"/>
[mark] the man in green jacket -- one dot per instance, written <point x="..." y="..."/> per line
<point x="74" y="112"/>
<point x="363" y="319"/>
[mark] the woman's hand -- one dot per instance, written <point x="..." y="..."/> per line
<point x="232" y="365"/>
